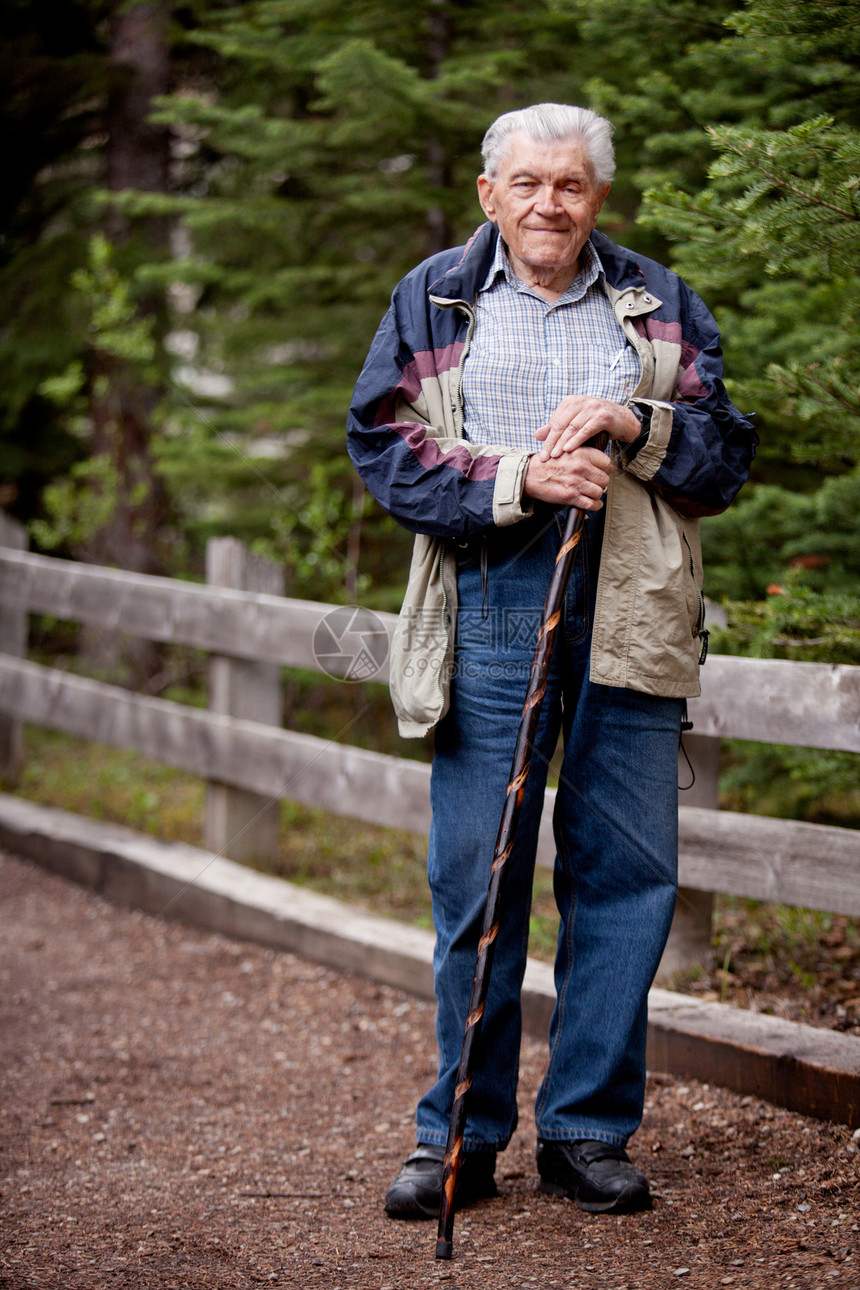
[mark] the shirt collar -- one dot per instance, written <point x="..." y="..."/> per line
<point x="590" y="269"/>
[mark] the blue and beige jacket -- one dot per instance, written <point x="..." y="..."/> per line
<point x="405" y="437"/>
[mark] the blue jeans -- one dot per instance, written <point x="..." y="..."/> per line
<point x="616" y="866"/>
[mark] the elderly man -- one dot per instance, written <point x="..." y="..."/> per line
<point x="472" y="420"/>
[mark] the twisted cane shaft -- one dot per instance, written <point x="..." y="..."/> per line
<point x="536" y="690"/>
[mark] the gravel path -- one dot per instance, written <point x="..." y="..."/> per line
<point x="182" y="1110"/>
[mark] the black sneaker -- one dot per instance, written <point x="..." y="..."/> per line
<point x="597" y="1175"/>
<point x="416" y="1192"/>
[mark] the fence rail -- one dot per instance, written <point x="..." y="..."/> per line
<point x="806" y="704"/>
<point x="816" y="705"/>
<point x="240" y="624"/>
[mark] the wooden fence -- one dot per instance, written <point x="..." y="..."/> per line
<point x="252" y="632"/>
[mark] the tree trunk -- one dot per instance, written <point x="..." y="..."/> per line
<point x="137" y="151"/>
<point x="438" y="162"/>
<point x="123" y="403"/>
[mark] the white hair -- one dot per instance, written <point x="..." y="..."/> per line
<point x="548" y="123"/>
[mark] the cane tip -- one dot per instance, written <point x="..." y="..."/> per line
<point x="444" y="1249"/>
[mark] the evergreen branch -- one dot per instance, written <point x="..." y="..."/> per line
<point x="810" y="375"/>
<point x="748" y="152"/>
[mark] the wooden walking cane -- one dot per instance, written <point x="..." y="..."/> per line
<point x="547" y="633"/>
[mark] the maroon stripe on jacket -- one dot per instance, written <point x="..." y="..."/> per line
<point x="689" y="385"/>
<point x="690" y="510"/>
<point x="433" y="362"/>
<point x="426" y="364"/>
<point x="430" y="454"/>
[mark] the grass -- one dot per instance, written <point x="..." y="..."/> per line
<point x="111" y="784"/>
<point x="360" y="864"/>
<point x="375" y="868"/>
<point x="379" y="869"/>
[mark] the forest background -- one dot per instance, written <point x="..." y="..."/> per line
<point x="206" y="207"/>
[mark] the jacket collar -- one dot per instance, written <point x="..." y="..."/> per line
<point x="462" y="282"/>
<point x="621" y="266"/>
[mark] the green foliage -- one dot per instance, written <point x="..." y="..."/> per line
<point x="774" y="231"/>
<point x="775" y="534"/>
<point x="751" y="177"/>
<point x="794" y="622"/>
<point x="778" y="226"/>
<point x="328" y="152"/>
<point x="317" y="537"/>
<point x="784" y="206"/>
<point x="793" y="783"/>
<point x="52" y="76"/>
<point x="116" y="326"/>
<point x="78" y="506"/>
<point x="82" y="504"/>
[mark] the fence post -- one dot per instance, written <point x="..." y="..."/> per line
<point x="241" y="824"/>
<point x="14" y="629"/>
<point x="689" y="944"/>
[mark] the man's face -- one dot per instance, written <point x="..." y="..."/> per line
<point x="545" y="202"/>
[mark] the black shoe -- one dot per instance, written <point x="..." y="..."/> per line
<point x="417" y="1190"/>
<point x="597" y="1175"/>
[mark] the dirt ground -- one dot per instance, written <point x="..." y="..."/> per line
<point x="182" y="1110"/>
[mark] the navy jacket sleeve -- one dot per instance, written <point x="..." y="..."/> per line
<point x="707" y="445"/>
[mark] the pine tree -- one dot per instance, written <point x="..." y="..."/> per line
<point x="664" y="74"/>
<point x="80" y="81"/>
<point x="776" y="232"/>
<point x="332" y="149"/>
<point x="53" y="79"/>
<point x="738" y="121"/>
<point x="81" y="402"/>
<point x="767" y="233"/>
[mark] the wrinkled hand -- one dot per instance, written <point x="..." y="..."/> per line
<point x="577" y="477"/>
<point x="579" y="418"/>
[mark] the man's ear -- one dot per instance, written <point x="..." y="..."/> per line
<point x="485" y="197"/>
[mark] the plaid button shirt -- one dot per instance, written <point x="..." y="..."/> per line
<point x="526" y="355"/>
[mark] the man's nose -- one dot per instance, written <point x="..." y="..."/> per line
<point x="548" y="200"/>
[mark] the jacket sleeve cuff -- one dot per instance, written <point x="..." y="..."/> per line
<point x="509" y="504"/>
<point x="649" y="454"/>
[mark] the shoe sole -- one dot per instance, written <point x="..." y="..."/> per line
<point x="411" y="1212"/>
<point x="627" y="1203"/>
<point x="413" y="1209"/>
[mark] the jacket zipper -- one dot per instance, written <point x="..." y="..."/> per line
<point x="441" y="303"/>
<point x="700" y="632"/>
<point x="463" y="305"/>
